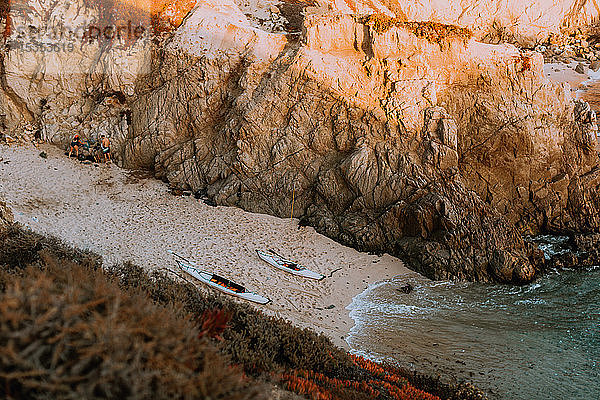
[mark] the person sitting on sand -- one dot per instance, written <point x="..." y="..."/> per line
<point x="105" y="147"/>
<point x="75" y="145"/>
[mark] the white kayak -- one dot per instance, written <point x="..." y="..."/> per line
<point x="222" y="284"/>
<point x="288" y="266"/>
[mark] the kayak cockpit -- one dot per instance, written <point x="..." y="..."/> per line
<point x="291" y="265"/>
<point x="227" y="284"/>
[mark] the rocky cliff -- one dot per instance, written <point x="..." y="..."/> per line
<point x="493" y="21"/>
<point x="385" y="134"/>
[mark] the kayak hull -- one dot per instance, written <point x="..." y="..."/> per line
<point x="207" y="279"/>
<point x="280" y="263"/>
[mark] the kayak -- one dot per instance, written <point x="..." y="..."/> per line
<point x="288" y="266"/>
<point x="222" y="284"/>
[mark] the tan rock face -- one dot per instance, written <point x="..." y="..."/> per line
<point x="410" y="138"/>
<point x="70" y="68"/>
<point x="492" y="20"/>
<point x="346" y="121"/>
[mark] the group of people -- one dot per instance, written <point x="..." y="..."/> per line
<point x="102" y="148"/>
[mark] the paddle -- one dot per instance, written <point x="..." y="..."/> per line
<point x="278" y="255"/>
<point x="179" y="276"/>
<point x="187" y="261"/>
<point x="182" y="257"/>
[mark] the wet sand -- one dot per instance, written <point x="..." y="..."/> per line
<point x="127" y="215"/>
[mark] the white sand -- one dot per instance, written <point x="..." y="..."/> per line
<point x="565" y="73"/>
<point x="123" y="217"/>
<point x="560" y="72"/>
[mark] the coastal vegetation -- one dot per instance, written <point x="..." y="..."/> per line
<point x="446" y="136"/>
<point x="71" y="328"/>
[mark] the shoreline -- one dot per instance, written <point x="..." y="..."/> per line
<point x="130" y="216"/>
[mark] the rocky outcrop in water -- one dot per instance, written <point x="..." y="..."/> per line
<point x="578" y="252"/>
<point x="387" y="135"/>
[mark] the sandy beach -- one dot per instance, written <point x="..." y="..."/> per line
<point x="560" y="72"/>
<point x="128" y="215"/>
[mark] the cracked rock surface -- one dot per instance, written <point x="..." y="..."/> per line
<point x="408" y="138"/>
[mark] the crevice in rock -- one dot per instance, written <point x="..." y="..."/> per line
<point x="16" y="100"/>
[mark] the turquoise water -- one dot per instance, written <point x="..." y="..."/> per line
<point x="540" y="341"/>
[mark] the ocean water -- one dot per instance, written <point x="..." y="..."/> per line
<point x="540" y="341"/>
